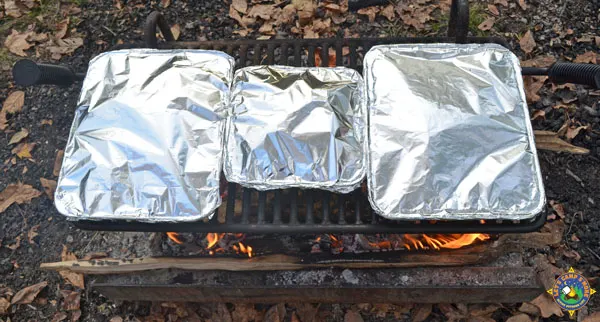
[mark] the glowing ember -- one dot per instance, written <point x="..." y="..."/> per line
<point x="174" y="237"/>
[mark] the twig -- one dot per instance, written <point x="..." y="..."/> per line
<point x="108" y="29"/>
<point x="91" y="240"/>
<point x="593" y="252"/>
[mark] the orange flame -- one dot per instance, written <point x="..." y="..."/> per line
<point x="212" y="239"/>
<point x="438" y="242"/>
<point x="174" y="237"/>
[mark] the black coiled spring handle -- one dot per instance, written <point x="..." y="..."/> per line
<point x="584" y="74"/>
<point x="27" y="72"/>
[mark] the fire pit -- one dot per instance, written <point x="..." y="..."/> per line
<point x="313" y="245"/>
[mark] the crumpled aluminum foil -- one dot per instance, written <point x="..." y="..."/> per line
<point x="449" y="134"/>
<point x="146" y="142"/>
<point x="296" y="127"/>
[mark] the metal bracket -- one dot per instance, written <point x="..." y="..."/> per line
<point x="458" y="26"/>
<point x="154" y="20"/>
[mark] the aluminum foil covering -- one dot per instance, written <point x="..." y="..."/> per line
<point x="146" y="142"/>
<point x="449" y="134"/>
<point x="296" y="127"/>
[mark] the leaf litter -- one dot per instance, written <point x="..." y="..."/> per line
<point x="17" y="193"/>
<point x="28" y="294"/>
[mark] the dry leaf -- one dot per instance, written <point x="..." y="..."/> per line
<point x="16" y="245"/>
<point x="71" y="300"/>
<point x="23" y="150"/>
<point x="46" y="122"/>
<point x="61" y="29"/>
<point x="333" y="7"/>
<point x="547" y="140"/>
<point x="75" y="279"/>
<point x="12" y="9"/>
<point x="522" y="4"/>
<point x="233" y="14"/>
<point x="527" y="42"/>
<point x="388" y="12"/>
<point x="547" y="305"/>
<point x="594" y="317"/>
<point x="116" y="319"/>
<point x="41" y="37"/>
<point x="539" y="61"/>
<point x="275" y="314"/>
<point x="65" y="46"/>
<point x="306" y="311"/>
<point x="75" y="315"/>
<point x="529" y="308"/>
<point x="519" y="318"/>
<point x="501" y="2"/>
<point x="306" y="13"/>
<point x="240" y="5"/>
<point x="176" y="31"/>
<point x="4" y="306"/>
<point x="352" y="316"/>
<point x="415" y="15"/>
<point x="572" y="254"/>
<point x="586" y="58"/>
<point x="572" y="132"/>
<point x="32" y="233"/>
<point x="58" y="162"/>
<point x="17" y="192"/>
<point x="28" y="294"/>
<point x="59" y="316"/>
<point x="165" y="3"/>
<point x="19" y="136"/>
<point x="14" y="102"/>
<point x="267" y="29"/>
<point x="287" y="16"/>
<point x="493" y="10"/>
<point x="49" y="187"/>
<point x="421" y="312"/>
<point x="17" y="42"/>
<point x="487" y="24"/>
<point x="263" y="11"/>
<point x="558" y="208"/>
<point x="538" y="114"/>
<point x="370" y="12"/>
<point x="533" y="84"/>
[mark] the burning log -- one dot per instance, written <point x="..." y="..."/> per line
<point x="393" y="259"/>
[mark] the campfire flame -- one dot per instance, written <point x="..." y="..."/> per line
<point x="213" y="239"/>
<point x="174" y="237"/>
<point x="243" y="249"/>
<point x="439" y="241"/>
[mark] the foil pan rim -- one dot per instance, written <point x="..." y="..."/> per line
<point x="442" y="214"/>
<point x="344" y="187"/>
<point x="71" y="214"/>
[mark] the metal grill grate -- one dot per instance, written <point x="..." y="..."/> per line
<point x="306" y="211"/>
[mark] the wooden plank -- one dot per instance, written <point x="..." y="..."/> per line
<point x="403" y="285"/>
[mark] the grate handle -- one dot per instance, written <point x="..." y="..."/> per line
<point x="585" y="74"/>
<point x="27" y="73"/>
<point x="156" y="20"/>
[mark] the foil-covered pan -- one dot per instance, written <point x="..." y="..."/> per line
<point x="146" y="141"/>
<point x="296" y="127"/>
<point x="449" y="134"/>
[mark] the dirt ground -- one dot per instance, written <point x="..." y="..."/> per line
<point x="563" y="29"/>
